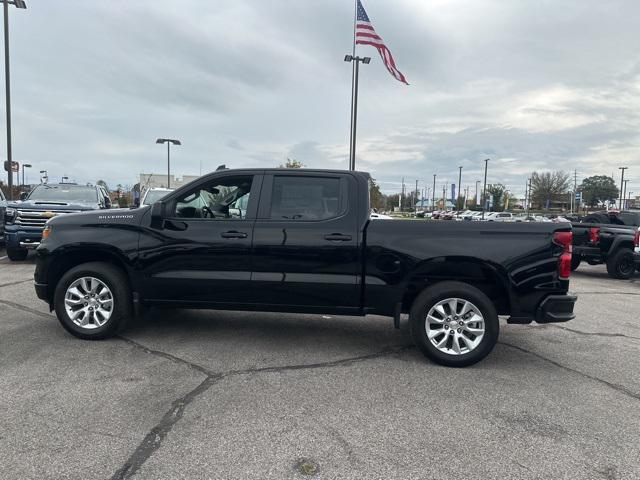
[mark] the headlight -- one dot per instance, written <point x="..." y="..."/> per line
<point x="10" y="215"/>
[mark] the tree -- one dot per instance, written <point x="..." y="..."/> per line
<point x="548" y="186"/>
<point x="392" y="201"/>
<point x="292" y="163"/>
<point x="376" y="198"/>
<point x="496" y="192"/>
<point x="598" y="189"/>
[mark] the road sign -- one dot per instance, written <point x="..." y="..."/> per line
<point x="15" y="167"/>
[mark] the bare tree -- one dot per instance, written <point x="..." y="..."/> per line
<point x="548" y="186"/>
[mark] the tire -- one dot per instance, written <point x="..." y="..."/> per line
<point x="445" y="355"/>
<point x="17" y="254"/>
<point x="121" y="307"/>
<point x="575" y="262"/>
<point x="621" y="265"/>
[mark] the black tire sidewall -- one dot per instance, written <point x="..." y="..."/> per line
<point x="119" y="286"/>
<point x="575" y="262"/>
<point x="17" y="254"/>
<point x="438" y="292"/>
<point x="614" y="264"/>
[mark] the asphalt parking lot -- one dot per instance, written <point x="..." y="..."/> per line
<point x="195" y="394"/>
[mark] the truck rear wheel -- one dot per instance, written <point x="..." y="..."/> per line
<point x="93" y="301"/>
<point x="621" y="265"/>
<point x="17" y="254"/>
<point x="454" y="324"/>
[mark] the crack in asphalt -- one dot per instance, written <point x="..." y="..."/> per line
<point x="16" y="283"/>
<point x="615" y="386"/>
<point x="153" y="440"/>
<point x="18" y="306"/>
<point x="593" y="334"/>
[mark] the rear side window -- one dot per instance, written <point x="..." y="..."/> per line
<point x="305" y="198"/>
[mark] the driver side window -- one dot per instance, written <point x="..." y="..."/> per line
<point x="220" y="199"/>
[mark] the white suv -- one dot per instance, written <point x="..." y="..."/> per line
<point x="499" y="217"/>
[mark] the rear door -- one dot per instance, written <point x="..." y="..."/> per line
<point x="305" y="247"/>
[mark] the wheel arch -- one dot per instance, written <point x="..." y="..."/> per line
<point x="73" y="257"/>
<point x="490" y="279"/>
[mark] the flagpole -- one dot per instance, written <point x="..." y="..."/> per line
<point x="354" y="89"/>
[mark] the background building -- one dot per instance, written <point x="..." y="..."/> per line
<point x="159" y="180"/>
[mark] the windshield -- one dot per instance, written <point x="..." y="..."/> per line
<point x="64" y="194"/>
<point x="154" y="195"/>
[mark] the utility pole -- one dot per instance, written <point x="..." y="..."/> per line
<point x="624" y="196"/>
<point x="444" y="196"/>
<point x="575" y="189"/>
<point x="459" y="186"/>
<point x="401" y="195"/>
<point x="433" y="202"/>
<point x="621" y="185"/>
<point x="484" y="189"/>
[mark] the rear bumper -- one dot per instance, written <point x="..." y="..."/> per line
<point x="556" y="308"/>
<point x="587" y="252"/>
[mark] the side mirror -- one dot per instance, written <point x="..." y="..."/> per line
<point x="107" y="202"/>
<point x="157" y="214"/>
<point x="24" y="195"/>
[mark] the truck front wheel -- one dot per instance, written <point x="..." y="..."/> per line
<point x="17" y="254"/>
<point x="93" y="301"/>
<point x="620" y="264"/>
<point x="454" y="324"/>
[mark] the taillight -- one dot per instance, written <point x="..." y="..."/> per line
<point x="636" y="238"/>
<point x="594" y="235"/>
<point x="565" y="240"/>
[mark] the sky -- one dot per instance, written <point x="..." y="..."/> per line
<point x="530" y="84"/>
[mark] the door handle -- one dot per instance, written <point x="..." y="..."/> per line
<point x="233" y="234"/>
<point x="337" y="237"/>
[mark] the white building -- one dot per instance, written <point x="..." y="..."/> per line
<point x="159" y="180"/>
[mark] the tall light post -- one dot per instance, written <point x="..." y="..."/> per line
<point x="477" y="182"/>
<point x="7" y="82"/>
<point x="621" y="185"/>
<point x="459" y="186"/>
<point x="24" y="165"/>
<point x="624" y="196"/>
<point x="354" y="102"/>
<point x="168" y="141"/>
<point x="484" y="188"/>
<point x="433" y="200"/>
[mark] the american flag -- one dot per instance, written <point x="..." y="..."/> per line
<point x="366" y="35"/>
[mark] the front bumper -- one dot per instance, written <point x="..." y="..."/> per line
<point x="28" y="239"/>
<point x="556" y="308"/>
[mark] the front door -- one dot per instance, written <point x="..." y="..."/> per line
<point x="306" y="241"/>
<point x="201" y="253"/>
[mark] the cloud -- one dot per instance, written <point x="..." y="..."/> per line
<point x="248" y="83"/>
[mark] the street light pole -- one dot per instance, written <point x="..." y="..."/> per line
<point x="621" y="185"/>
<point x="7" y="82"/>
<point x="459" y="186"/>
<point x="433" y="200"/>
<point x="24" y="165"/>
<point x="624" y="196"/>
<point x="168" y="141"/>
<point x="354" y="102"/>
<point x="484" y="188"/>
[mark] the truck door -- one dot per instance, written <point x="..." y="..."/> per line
<point x="201" y="253"/>
<point x="305" y="246"/>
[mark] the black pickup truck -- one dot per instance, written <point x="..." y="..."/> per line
<point x="25" y="219"/>
<point x="607" y="237"/>
<point x="302" y="241"/>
